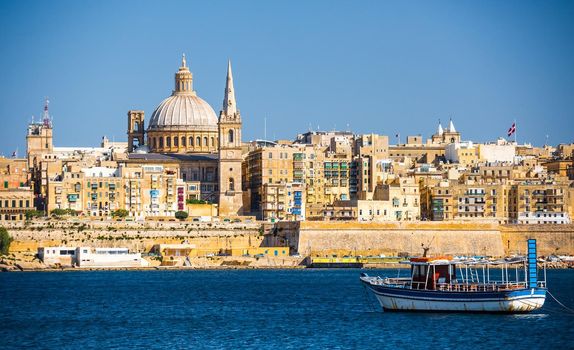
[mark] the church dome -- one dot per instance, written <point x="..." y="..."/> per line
<point x="183" y="110"/>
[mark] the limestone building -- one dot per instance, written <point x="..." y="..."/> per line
<point x="16" y="197"/>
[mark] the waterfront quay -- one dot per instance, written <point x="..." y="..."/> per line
<point x="262" y="245"/>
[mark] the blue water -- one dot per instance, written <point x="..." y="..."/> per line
<point x="279" y="309"/>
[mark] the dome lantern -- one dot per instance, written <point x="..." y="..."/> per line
<point x="183" y="79"/>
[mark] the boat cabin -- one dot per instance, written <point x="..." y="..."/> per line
<point x="429" y="272"/>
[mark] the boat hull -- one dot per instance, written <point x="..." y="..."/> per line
<point x="514" y="301"/>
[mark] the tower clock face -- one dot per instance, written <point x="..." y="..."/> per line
<point x="229" y="154"/>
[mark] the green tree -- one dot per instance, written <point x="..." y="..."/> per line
<point x="181" y="215"/>
<point x="120" y="213"/>
<point x="195" y="201"/>
<point x="5" y="241"/>
<point x="59" y="212"/>
<point x="71" y="212"/>
<point x="30" y="214"/>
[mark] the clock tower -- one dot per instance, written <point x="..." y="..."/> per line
<point x="230" y="158"/>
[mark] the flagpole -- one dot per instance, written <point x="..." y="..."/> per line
<point x="515" y="132"/>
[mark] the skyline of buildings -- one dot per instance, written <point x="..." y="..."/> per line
<point x="183" y="154"/>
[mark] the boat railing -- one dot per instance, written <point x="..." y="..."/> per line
<point x="480" y="287"/>
<point x="399" y="281"/>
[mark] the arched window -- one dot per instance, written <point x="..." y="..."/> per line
<point x="136" y="126"/>
<point x="198" y="141"/>
<point x="161" y="142"/>
<point x="176" y="141"/>
<point x="230" y="136"/>
<point x="205" y="143"/>
<point x="168" y="141"/>
<point x="152" y="142"/>
<point x="231" y="184"/>
<point x="191" y="141"/>
<point x="212" y="142"/>
<point x="183" y="141"/>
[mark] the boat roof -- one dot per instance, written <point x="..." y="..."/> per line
<point x="448" y="260"/>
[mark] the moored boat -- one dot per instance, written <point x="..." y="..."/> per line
<point x="463" y="285"/>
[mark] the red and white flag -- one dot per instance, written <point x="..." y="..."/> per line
<point x="512" y="129"/>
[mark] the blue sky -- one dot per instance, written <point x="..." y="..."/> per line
<point x="376" y="66"/>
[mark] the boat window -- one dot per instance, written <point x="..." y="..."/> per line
<point x="419" y="271"/>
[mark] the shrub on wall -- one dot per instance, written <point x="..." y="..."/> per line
<point x="5" y="241"/>
<point x="30" y="214"/>
<point x="120" y="213"/>
<point x="181" y="215"/>
<point x="195" y="201"/>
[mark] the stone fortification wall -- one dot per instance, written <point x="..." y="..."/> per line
<point x="551" y="239"/>
<point x="308" y="238"/>
<point x="454" y="238"/>
<point x="138" y="237"/>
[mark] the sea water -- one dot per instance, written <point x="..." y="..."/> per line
<point x="232" y="309"/>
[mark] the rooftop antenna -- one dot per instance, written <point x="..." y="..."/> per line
<point x="46" y="120"/>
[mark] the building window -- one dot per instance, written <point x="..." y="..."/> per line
<point x="191" y="141"/>
<point x="183" y="141"/>
<point x="231" y="184"/>
<point x="198" y="141"/>
<point x="161" y="142"/>
<point x="213" y="142"/>
<point x="230" y="136"/>
<point x="270" y="155"/>
<point x="176" y="141"/>
<point x="205" y="141"/>
<point x="168" y="141"/>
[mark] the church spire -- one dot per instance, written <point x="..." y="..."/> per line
<point x="451" y="126"/>
<point x="229" y="107"/>
<point x="439" y="130"/>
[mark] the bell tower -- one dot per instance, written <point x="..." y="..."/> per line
<point x="39" y="137"/>
<point x="136" y="130"/>
<point x="230" y="158"/>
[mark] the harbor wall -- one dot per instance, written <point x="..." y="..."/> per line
<point x="306" y="238"/>
<point x="453" y="238"/>
<point x="138" y="237"/>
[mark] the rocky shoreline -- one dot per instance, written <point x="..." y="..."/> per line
<point x="237" y="264"/>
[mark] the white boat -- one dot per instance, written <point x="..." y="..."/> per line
<point x="463" y="285"/>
